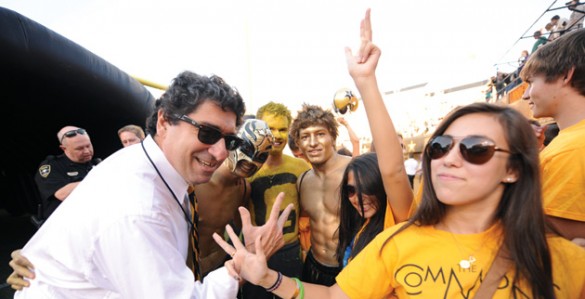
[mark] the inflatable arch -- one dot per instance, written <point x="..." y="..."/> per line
<point x="46" y="82"/>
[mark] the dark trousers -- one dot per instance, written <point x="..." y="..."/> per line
<point x="314" y="272"/>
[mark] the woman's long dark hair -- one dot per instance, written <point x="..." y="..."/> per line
<point x="368" y="180"/>
<point x="520" y="209"/>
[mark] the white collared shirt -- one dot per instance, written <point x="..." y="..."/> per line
<point x="121" y="234"/>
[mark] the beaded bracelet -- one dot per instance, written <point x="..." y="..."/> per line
<point x="300" y="291"/>
<point x="276" y="283"/>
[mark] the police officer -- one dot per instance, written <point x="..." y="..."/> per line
<point x="59" y="175"/>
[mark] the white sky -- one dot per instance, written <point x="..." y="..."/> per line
<point x="292" y="51"/>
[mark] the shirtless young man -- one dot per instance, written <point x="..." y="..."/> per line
<point x="228" y="189"/>
<point x="315" y="131"/>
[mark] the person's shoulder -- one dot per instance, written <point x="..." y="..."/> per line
<point x="578" y="128"/>
<point x="568" y="141"/>
<point x="398" y="231"/>
<point x="307" y="176"/>
<point x="343" y="160"/>
<point x="51" y="158"/>
<point x="565" y="250"/>
<point x="392" y="229"/>
<point x="50" y="163"/>
<point x="292" y="159"/>
<point x="298" y="162"/>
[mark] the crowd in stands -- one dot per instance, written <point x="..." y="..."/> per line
<point x="555" y="28"/>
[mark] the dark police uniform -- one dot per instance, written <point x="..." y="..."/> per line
<point x="53" y="174"/>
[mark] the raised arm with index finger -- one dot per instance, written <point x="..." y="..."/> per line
<point x="362" y="68"/>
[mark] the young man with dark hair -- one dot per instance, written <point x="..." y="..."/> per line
<point x="315" y="131"/>
<point x="556" y="78"/>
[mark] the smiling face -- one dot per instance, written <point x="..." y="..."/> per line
<point x="543" y="98"/>
<point x="257" y="138"/>
<point x="368" y="200"/>
<point x="194" y="160"/>
<point x="461" y="184"/>
<point x="279" y="126"/>
<point x="316" y="143"/>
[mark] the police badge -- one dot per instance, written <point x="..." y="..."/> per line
<point x="44" y="170"/>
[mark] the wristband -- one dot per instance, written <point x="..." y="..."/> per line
<point x="300" y="290"/>
<point x="276" y="283"/>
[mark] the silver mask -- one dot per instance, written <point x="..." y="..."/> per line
<point x="248" y="158"/>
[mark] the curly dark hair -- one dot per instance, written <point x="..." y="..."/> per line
<point x="188" y="91"/>
<point x="312" y="115"/>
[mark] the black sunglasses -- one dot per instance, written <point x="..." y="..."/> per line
<point x="352" y="190"/>
<point x="248" y="149"/>
<point x="72" y="133"/>
<point x="474" y="149"/>
<point x="210" y="135"/>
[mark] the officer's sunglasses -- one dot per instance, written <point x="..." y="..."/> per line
<point x="72" y="133"/>
<point x="210" y="135"/>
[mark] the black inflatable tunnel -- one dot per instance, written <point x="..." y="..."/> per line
<point x="47" y="82"/>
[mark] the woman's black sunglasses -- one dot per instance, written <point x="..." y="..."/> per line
<point x="474" y="149"/>
<point x="352" y="190"/>
<point x="72" y="133"/>
<point x="210" y="135"/>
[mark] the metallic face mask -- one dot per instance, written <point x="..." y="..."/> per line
<point x="251" y="155"/>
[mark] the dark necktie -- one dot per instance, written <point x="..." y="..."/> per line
<point x="194" y="236"/>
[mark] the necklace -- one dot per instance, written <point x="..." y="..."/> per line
<point x="466" y="263"/>
<point x="469" y="261"/>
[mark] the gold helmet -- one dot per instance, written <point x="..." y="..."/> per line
<point x="343" y="99"/>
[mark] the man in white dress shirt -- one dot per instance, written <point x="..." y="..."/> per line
<point x="123" y="232"/>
